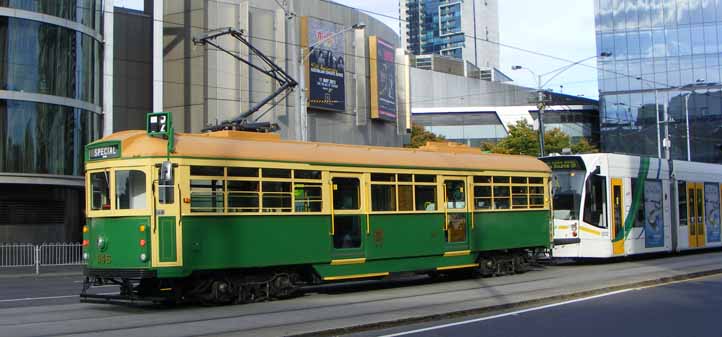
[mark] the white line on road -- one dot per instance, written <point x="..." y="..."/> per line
<point x="37" y="298"/>
<point x="507" y="314"/>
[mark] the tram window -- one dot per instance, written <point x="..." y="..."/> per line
<point x="482" y="197"/>
<point x="307" y="198"/>
<point x="424" y="178"/>
<point x="455" y="195"/>
<point x="276" y="196"/>
<point x="383" y="198"/>
<point x="207" y="196"/>
<point x="243" y="196"/>
<point x="276" y="173"/>
<point x="682" y="202"/>
<point x="346" y="193"/>
<point x="242" y="172"/>
<point x="347" y="232"/>
<point x="502" y="198"/>
<point x="405" y="177"/>
<point x="595" y="201"/>
<point x="130" y="187"/>
<point x="406" y="197"/>
<point x="518" y="180"/>
<point x="520" y="197"/>
<point x="501" y="180"/>
<point x="383" y="177"/>
<point x="482" y="180"/>
<point x="213" y="171"/>
<point x="536" y="180"/>
<point x="100" y="191"/>
<point x="425" y="197"/>
<point x="536" y="201"/>
<point x="305" y="174"/>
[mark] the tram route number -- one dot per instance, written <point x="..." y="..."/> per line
<point x="104" y="259"/>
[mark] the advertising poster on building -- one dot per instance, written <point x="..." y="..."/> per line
<point x="383" y="79"/>
<point x="711" y="212"/>
<point x="654" y="215"/>
<point x="325" y="64"/>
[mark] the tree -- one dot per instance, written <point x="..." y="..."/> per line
<point x="583" y="146"/>
<point x="522" y="139"/>
<point x="419" y="136"/>
<point x="555" y="140"/>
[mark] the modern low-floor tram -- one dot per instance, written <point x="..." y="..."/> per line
<point x="608" y="205"/>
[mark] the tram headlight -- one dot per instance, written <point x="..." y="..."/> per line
<point x="143" y="257"/>
<point x="85" y="256"/>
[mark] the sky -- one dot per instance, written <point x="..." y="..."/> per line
<point x="563" y="29"/>
<point x="560" y="28"/>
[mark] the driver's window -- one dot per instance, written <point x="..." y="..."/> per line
<point x="130" y="189"/>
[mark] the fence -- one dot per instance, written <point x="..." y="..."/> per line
<point x="47" y="254"/>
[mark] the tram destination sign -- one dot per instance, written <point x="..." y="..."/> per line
<point x="565" y="163"/>
<point x="104" y="150"/>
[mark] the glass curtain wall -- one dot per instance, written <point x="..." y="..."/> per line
<point x="666" y="56"/>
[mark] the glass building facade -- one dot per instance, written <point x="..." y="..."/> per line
<point x="666" y="57"/>
<point x="50" y="108"/>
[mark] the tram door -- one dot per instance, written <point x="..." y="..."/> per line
<point x="348" y="220"/>
<point x="456" y="213"/>
<point x="166" y="231"/>
<point x="695" y="205"/>
<point x="617" y="217"/>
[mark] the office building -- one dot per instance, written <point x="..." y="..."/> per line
<point x="665" y="59"/>
<point x="466" y="30"/>
<point x="50" y="107"/>
<point x="473" y="111"/>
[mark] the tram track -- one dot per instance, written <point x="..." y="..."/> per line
<point x="357" y="299"/>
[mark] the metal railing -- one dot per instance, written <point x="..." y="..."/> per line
<point x="47" y="254"/>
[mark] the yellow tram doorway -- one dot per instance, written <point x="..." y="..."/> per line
<point x="695" y="207"/>
<point x="348" y="220"/>
<point x="456" y="213"/>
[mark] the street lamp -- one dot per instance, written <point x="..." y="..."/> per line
<point x="691" y="87"/>
<point x="656" y="104"/>
<point x="540" y="92"/>
<point x="302" y="119"/>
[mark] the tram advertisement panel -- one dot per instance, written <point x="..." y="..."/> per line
<point x="712" y="212"/>
<point x="654" y="216"/>
<point x="383" y="79"/>
<point x="326" y="64"/>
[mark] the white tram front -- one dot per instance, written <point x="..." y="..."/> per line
<point x="608" y="205"/>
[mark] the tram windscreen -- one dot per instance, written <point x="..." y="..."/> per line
<point x="567" y="190"/>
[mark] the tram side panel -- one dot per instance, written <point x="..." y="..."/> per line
<point x="698" y="188"/>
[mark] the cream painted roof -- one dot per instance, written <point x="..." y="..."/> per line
<point x="269" y="147"/>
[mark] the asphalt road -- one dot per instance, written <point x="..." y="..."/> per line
<point x="49" y="306"/>
<point x="688" y="308"/>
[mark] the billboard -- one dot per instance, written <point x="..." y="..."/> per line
<point x="653" y="214"/>
<point x="383" y="79"/>
<point x="325" y="64"/>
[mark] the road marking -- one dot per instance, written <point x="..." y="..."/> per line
<point x="37" y="298"/>
<point x="514" y="313"/>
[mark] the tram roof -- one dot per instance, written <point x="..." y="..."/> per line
<point x="269" y="147"/>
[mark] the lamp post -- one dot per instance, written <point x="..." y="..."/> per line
<point x="541" y="104"/>
<point x="302" y="119"/>
<point x="691" y="87"/>
<point x="656" y="104"/>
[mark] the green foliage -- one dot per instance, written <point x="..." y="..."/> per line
<point x="583" y="146"/>
<point x="419" y="137"/>
<point x="522" y="139"/>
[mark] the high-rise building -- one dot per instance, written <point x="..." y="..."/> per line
<point x="50" y="107"/>
<point x="665" y="59"/>
<point x="460" y="29"/>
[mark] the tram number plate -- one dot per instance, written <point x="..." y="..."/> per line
<point x="104" y="259"/>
